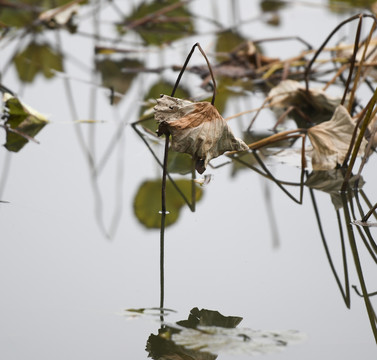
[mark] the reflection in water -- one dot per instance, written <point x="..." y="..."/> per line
<point x="120" y="66"/>
<point x="207" y="333"/>
<point x="344" y="203"/>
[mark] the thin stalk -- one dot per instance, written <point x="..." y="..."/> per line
<point x="184" y="68"/>
<point x="368" y="149"/>
<point x="162" y="228"/>
<point x="360" y="118"/>
<point x="360" y="137"/>
<point x="345" y="292"/>
<point x="369" y="213"/>
<point x="353" y="59"/>
<point x="319" y="50"/>
<point x="258" y="171"/>
<point x="193" y="187"/>
<point x="367" y="239"/>
<point x="337" y="74"/>
<point x="277" y="182"/>
<point x="361" y="295"/>
<point x="359" y="270"/>
<point x="273" y="138"/>
<point x="161" y="164"/>
<point x="360" y="65"/>
<point x="367" y="201"/>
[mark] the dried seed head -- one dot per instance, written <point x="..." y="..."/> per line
<point x="196" y="129"/>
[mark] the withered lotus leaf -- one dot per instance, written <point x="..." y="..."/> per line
<point x="331" y="140"/>
<point x="291" y="92"/>
<point x="196" y="128"/>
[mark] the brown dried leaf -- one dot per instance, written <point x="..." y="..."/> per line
<point x="331" y="140"/>
<point x="291" y="92"/>
<point x="196" y="129"/>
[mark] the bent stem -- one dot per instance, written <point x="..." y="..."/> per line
<point x="355" y="253"/>
<point x="344" y="290"/>
<point x="184" y="68"/>
<point x="357" y="145"/>
<point x="369" y="213"/>
<point x="311" y="62"/>
<point x="165" y="174"/>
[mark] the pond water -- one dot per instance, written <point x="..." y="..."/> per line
<point x="76" y="251"/>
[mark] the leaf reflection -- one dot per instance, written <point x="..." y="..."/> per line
<point x="117" y="74"/>
<point x="38" y="58"/>
<point x="147" y="201"/>
<point x="207" y="333"/>
<point x="22" y="123"/>
<point x="159" y="22"/>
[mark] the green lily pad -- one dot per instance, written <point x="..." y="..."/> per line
<point x="37" y="58"/>
<point x="147" y="202"/>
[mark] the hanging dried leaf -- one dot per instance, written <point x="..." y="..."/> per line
<point x="196" y="129"/>
<point x="331" y="140"/>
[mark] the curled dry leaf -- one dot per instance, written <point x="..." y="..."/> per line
<point x="196" y="129"/>
<point x="331" y="140"/>
<point x="291" y="92"/>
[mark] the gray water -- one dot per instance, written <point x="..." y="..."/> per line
<point x="74" y="256"/>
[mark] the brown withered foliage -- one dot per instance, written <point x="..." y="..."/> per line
<point x="196" y="129"/>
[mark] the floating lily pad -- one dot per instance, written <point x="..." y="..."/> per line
<point x="147" y="202"/>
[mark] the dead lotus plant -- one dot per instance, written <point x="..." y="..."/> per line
<point x="331" y="140"/>
<point x="196" y="129"/>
